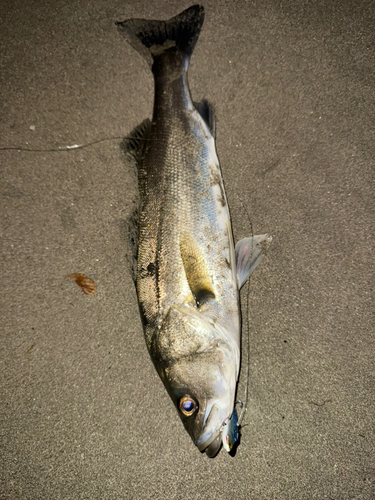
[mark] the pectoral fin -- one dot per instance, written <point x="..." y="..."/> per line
<point x="196" y="271"/>
<point x="249" y="253"/>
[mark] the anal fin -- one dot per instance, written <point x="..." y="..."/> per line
<point x="206" y="111"/>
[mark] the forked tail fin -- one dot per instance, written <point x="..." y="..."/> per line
<point x="157" y="37"/>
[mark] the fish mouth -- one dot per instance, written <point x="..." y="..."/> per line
<point x="206" y="439"/>
<point x="210" y="440"/>
<point x="214" y="436"/>
<point x="211" y="446"/>
<point x="213" y="449"/>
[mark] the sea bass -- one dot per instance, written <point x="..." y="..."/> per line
<point x="189" y="272"/>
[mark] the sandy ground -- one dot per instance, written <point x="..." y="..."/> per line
<point x="83" y="414"/>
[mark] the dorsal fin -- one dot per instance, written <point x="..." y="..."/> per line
<point x="196" y="271"/>
<point x="206" y="111"/>
<point x="136" y="141"/>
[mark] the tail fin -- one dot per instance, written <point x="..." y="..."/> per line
<point x="157" y="37"/>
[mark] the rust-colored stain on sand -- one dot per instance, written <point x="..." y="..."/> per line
<point x="88" y="285"/>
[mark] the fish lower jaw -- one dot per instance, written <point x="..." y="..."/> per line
<point x="202" y="443"/>
<point x="211" y="441"/>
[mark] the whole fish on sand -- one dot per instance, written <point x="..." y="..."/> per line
<point x="188" y="272"/>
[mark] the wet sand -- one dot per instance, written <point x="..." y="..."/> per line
<point x="83" y="413"/>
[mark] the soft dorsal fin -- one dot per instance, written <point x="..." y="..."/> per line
<point x="196" y="271"/>
<point x="135" y="142"/>
<point x="249" y="253"/>
<point x="204" y="108"/>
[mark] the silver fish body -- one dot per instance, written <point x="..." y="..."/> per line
<point x="187" y="279"/>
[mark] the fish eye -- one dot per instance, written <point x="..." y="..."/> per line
<point x="187" y="406"/>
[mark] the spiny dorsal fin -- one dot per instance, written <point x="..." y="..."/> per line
<point x="130" y="226"/>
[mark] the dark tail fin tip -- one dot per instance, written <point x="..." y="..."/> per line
<point x="181" y="31"/>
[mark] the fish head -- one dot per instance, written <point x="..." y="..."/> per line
<point x="198" y="365"/>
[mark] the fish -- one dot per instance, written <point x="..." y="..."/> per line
<point x="188" y="273"/>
